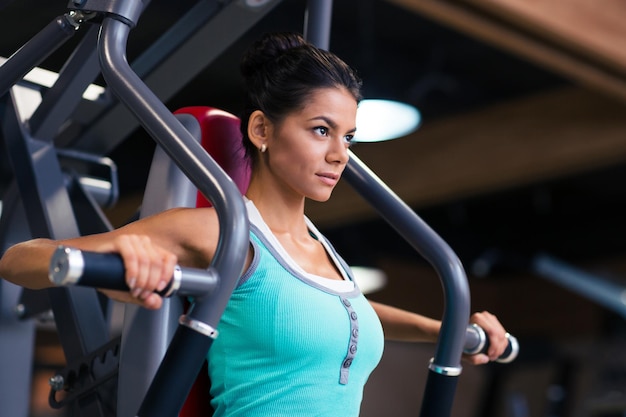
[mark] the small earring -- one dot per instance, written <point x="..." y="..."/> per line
<point x="263" y="148"/>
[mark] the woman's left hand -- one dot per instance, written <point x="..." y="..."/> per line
<point x="496" y="334"/>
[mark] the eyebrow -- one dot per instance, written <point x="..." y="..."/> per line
<point x="331" y="123"/>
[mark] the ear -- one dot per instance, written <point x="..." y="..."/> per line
<point x="258" y="128"/>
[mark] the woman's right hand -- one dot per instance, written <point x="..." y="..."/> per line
<point x="149" y="268"/>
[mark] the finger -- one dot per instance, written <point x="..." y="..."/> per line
<point x="497" y="336"/>
<point x="161" y="269"/>
<point x="152" y="302"/>
<point x="144" y="258"/>
<point x="478" y="359"/>
<point x="494" y="331"/>
<point x="149" y="268"/>
<point x="124" y="245"/>
<point x="169" y="262"/>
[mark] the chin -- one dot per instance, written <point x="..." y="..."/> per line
<point x="320" y="198"/>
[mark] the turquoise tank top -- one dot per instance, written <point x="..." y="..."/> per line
<point x="288" y="346"/>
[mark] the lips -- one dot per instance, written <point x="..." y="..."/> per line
<point x="329" y="178"/>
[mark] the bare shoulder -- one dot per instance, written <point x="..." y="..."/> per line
<point x="191" y="233"/>
<point x="176" y="218"/>
<point x="200" y="217"/>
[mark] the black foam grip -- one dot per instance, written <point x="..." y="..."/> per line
<point x="103" y="270"/>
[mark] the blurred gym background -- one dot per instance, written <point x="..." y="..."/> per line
<point x="519" y="164"/>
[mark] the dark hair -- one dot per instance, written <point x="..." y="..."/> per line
<point x="281" y="70"/>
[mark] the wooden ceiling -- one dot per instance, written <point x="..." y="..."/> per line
<point x="577" y="38"/>
<point x="545" y="136"/>
<point x="533" y="136"/>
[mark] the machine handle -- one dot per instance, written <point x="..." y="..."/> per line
<point x="70" y="266"/>
<point x="476" y="341"/>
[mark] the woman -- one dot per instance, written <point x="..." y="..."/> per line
<point x="297" y="337"/>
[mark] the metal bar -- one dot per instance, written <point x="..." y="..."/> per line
<point x="446" y="362"/>
<point x="183" y="360"/>
<point x="40" y="181"/>
<point x="446" y="365"/>
<point x="425" y="241"/>
<point x="600" y="290"/>
<point x="64" y="96"/>
<point x="187" y="52"/>
<point x="178" y="143"/>
<point x="31" y="54"/>
<point x="146" y="334"/>
<point x="127" y="10"/>
<point x="80" y="322"/>
<point x="317" y="22"/>
<point x="17" y="335"/>
<point x="184" y="28"/>
<point x="71" y="266"/>
<point x="17" y="342"/>
<point x="438" y="395"/>
<point x="89" y="217"/>
<point x="104" y="188"/>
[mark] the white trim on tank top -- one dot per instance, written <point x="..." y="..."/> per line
<point x="344" y="285"/>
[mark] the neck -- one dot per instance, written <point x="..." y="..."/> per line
<point x="282" y="213"/>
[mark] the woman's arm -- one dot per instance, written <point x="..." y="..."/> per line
<point x="406" y="326"/>
<point x="150" y="249"/>
<point x="26" y="263"/>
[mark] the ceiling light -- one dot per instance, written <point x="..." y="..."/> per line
<point x="379" y="120"/>
<point x="45" y="78"/>
<point x="369" y="279"/>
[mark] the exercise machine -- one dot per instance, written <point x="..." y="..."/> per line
<point x="53" y="194"/>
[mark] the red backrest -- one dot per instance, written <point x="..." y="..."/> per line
<point x="221" y="138"/>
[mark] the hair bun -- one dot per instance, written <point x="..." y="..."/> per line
<point x="269" y="47"/>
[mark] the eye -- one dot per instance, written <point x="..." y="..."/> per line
<point x="348" y="139"/>
<point x="322" y="130"/>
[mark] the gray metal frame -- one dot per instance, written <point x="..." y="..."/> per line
<point x="48" y="211"/>
<point x="146" y="334"/>
<point x="17" y="336"/>
<point x="445" y="367"/>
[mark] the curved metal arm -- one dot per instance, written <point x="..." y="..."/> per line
<point x="190" y="344"/>
<point x="447" y="359"/>
<point x="430" y="245"/>
<point x="180" y="145"/>
<point x="445" y="367"/>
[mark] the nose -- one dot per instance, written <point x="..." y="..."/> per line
<point x="338" y="151"/>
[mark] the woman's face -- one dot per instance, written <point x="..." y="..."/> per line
<point x="308" y="150"/>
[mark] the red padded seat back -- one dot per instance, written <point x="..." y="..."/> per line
<point x="221" y="138"/>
